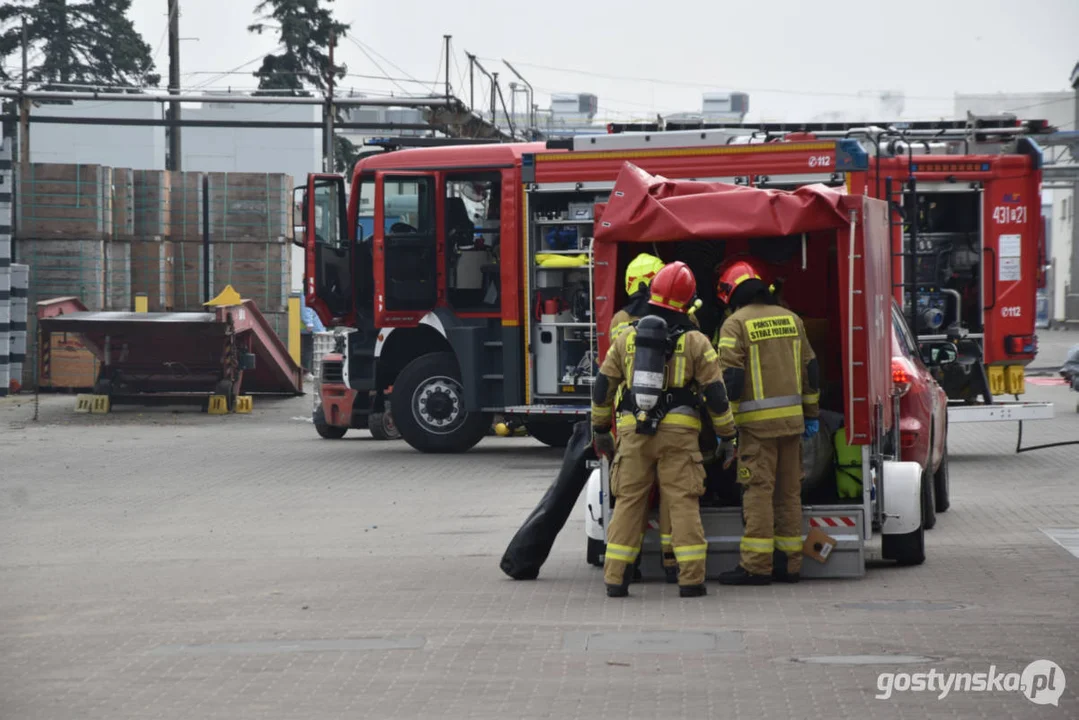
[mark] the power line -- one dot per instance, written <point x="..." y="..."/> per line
<point x="364" y="48"/>
<point x="252" y="61"/>
<point x="374" y="62"/>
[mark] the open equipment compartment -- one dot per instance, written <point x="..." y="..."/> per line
<point x="562" y="335"/>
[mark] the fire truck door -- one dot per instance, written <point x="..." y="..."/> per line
<point x="327" y="251"/>
<point x="406" y="246"/>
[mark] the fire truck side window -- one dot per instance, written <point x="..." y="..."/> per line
<point x="472" y="240"/>
<point x="411" y="270"/>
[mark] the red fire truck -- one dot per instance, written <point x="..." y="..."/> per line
<point x="466" y="271"/>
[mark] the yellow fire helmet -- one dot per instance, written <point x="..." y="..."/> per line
<point x="641" y="270"/>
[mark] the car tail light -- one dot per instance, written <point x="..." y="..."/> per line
<point x="902" y="375"/>
<point x="1021" y="344"/>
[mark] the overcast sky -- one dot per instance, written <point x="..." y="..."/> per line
<point x="795" y="58"/>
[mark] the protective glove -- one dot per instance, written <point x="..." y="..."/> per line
<point x="812" y="427"/>
<point x="727" y="451"/>
<point x="603" y="442"/>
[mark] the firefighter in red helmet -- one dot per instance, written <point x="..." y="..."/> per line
<point x="665" y="366"/>
<point x="771" y="373"/>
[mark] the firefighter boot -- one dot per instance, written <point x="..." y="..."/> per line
<point x="621" y="590"/>
<point x="779" y="569"/>
<point x="741" y="576"/>
<point x="692" y="591"/>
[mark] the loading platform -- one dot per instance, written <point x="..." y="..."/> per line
<point x="146" y="357"/>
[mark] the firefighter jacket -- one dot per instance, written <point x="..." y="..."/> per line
<point x="770" y="370"/>
<point x="692" y="370"/>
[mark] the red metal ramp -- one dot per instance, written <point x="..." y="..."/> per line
<point x="230" y="351"/>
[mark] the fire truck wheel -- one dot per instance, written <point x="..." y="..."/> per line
<point x="596" y="550"/>
<point x="553" y="434"/>
<point x="428" y="406"/>
<point x="382" y="426"/>
<point x="327" y="432"/>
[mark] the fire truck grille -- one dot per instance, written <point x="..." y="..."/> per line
<point x="333" y="371"/>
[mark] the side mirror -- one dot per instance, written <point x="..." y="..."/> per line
<point x="938" y="354"/>
<point x="299" y="225"/>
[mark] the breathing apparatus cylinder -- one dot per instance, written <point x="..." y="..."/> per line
<point x="649" y="365"/>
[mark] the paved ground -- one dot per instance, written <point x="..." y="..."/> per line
<point x="161" y="565"/>
<point x="1053" y="346"/>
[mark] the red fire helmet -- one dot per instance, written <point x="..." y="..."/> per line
<point x="733" y="274"/>
<point x="674" y="287"/>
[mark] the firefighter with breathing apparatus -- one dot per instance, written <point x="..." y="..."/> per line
<point x="639" y="275"/>
<point x="665" y="366"/>
<point x="772" y="376"/>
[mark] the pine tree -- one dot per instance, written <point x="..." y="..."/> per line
<point x="304" y="29"/>
<point x="74" y="43"/>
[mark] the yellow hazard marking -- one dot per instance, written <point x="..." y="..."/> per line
<point x="769" y="328"/>
<point x="243" y="403"/>
<point x="219" y="405"/>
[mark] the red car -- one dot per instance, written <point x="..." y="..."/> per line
<point x="923" y="409"/>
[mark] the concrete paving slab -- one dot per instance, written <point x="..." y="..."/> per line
<point x="281" y="562"/>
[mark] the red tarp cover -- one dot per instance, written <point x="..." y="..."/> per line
<point x="649" y="208"/>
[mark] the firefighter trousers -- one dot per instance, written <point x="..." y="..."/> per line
<point x="672" y="454"/>
<point x="664" y="514"/>
<point x="770" y="472"/>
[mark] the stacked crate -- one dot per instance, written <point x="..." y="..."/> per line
<point x="186" y="220"/>
<point x="118" y="247"/>
<point x="250" y="223"/>
<point x="64" y="216"/>
<point x="152" y="258"/>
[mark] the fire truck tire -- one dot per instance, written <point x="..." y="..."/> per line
<point x="382" y="426"/>
<point x="327" y="432"/>
<point x="428" y="406"/>
<point x="552" y="434"/>
<point x="596" y="550"/>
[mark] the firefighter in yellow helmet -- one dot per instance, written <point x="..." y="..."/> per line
<point x="771" y="373"/>
<point x="665" y="365"/>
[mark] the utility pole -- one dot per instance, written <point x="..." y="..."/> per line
<point x="175" y="162"/>
<point x="328" y="133"/>
<point x="447" y="37"/>
<point x="24" y="103"/>
<point x="494" y="97"/>
<point x="471" y="81"/>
